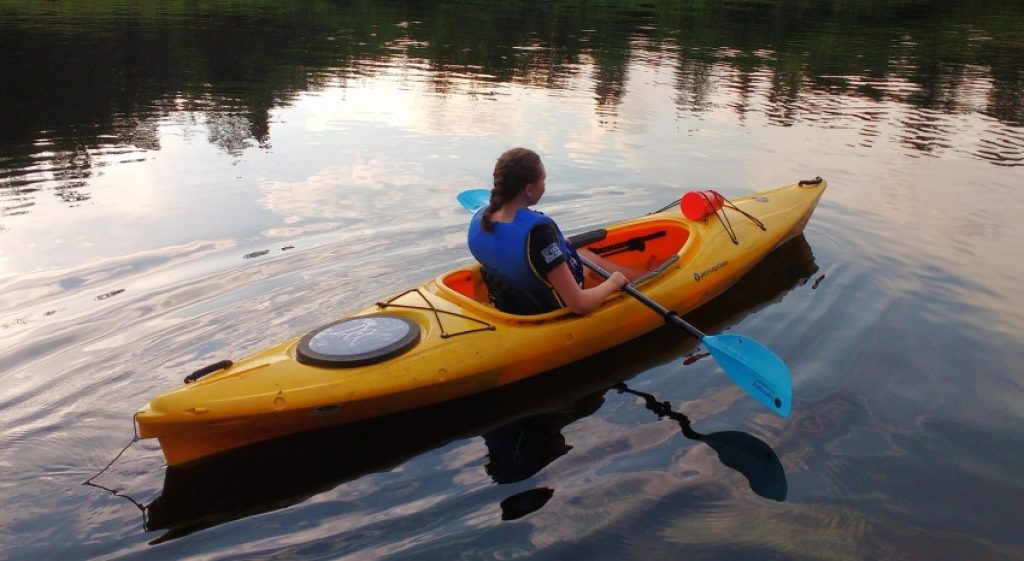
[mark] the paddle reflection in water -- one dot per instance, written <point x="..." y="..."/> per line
<point x="522" y="448"/>
<point x="738" y="450"/>
<point x="521" y="425"/>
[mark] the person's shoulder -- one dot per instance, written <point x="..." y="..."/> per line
<point x="476" y="222"/>
<point x="528" y="218"/>
<point x="545" y="228"/>
<point x="529" y="212"/>
<point x="534" y="215"/>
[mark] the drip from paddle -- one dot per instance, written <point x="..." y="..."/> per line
<point x="751" y="365"/>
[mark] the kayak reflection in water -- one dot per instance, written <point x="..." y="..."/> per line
<point x="549" y="275"/>
<point x="741" y="451"/>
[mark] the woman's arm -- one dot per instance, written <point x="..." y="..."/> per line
<point x="579" y="300"/>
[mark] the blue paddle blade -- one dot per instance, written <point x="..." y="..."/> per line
<point x="754" y="368"/>
<point x="474" y="199"/>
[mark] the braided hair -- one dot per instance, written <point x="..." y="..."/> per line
<point x="514" y="170"/>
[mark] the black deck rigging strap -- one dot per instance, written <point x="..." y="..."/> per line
<point x="724" y="219"/>
<point x="666" y="207"/>
<point x="437" y="314"/>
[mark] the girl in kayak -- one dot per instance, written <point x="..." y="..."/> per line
<point x="526" y="262"/>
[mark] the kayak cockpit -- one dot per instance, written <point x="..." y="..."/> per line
<point x="648" y="245"/>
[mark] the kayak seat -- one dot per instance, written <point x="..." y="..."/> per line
<point x="508" y="297"/>
<point x="489" y="287"/>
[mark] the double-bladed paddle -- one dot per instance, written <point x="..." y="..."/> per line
<point x="751" y="365"/>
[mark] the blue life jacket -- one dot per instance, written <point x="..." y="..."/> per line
<point x="505" y="252"/>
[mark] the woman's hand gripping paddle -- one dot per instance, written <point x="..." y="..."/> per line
<point x="751" y="365"/>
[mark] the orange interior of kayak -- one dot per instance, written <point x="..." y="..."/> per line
<point x="639" y="246"/>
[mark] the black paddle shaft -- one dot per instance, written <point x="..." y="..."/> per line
<point x="669" y="315"/>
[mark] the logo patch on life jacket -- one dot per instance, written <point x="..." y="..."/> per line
<point x="551" y="252"/>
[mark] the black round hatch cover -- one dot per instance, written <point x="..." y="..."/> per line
<point x="358" y="341"/>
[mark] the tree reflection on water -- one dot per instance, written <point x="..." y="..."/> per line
<point x="83" y="75"/>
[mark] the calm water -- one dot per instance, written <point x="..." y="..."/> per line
<point x="185" y="182"/>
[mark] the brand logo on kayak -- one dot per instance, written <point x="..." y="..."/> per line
<point x="698" y="276"/>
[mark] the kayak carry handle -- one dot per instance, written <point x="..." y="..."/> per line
<point x="208" y="370"/>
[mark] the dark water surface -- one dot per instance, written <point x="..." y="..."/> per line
<point x="182" y="182"/>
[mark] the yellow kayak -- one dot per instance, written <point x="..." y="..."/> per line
<point x="443" y="340"/>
